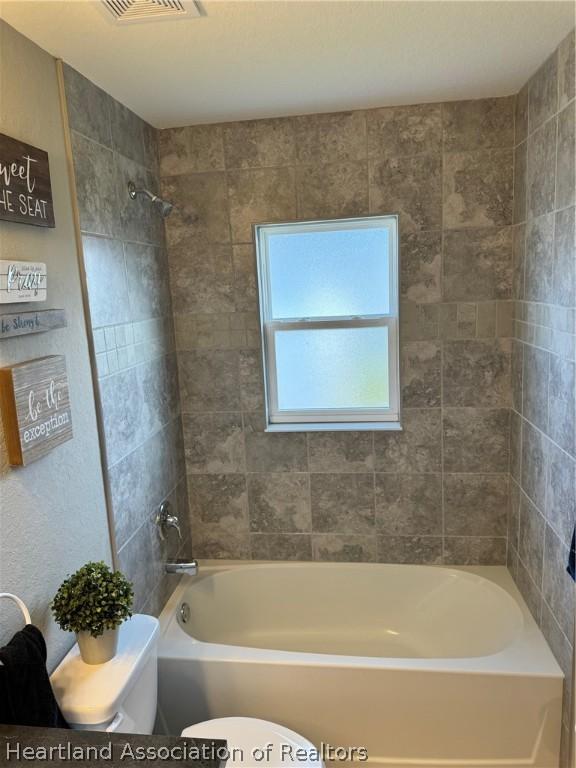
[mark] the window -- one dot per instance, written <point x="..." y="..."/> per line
<point x="329" y="317"/>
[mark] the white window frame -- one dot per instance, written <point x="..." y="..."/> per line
<point x="330" y="419"/>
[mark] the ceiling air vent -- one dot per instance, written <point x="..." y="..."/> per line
<point x="128" y="11"/>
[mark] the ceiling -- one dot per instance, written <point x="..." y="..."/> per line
<point x="244" y="59"/>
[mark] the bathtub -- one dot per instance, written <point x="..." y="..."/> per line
<point x="421" y="666"/>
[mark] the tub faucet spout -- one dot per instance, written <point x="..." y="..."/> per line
<point x="189" y="567"/>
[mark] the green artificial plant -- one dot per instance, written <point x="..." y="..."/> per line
<point x="93" y="599"/>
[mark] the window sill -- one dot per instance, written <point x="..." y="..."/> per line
<point x="350" y="426"/>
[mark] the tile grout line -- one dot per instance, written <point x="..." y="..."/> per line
<point x="442" y="350"/>
<point x="509" y="512"/>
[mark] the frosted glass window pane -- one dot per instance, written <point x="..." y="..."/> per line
<point x="332" y="368"/>
<point x="329" y="274"/>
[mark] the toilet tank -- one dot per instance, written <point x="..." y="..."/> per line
<point x="119" y="695"/>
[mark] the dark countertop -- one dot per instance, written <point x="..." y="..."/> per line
<point x="92" y="749"/>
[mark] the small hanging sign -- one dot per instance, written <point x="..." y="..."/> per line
<point x="35" y="408"/>
<point x="21" y="323"/>
<point x="25" y="189"/>
<point x="22" y="281"/>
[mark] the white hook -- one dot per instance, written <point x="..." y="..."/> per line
<point x="20" y="604"/>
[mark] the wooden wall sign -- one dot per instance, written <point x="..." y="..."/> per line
<point x="25" y="189"/>
<point x="22" y="281"/>
<point x="21" y="323"/>
<point x="35" y="408"/>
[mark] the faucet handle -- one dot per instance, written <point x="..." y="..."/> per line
<point x="165" y="520"/>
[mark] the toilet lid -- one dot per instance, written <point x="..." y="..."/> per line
<point x="247" y="735"/>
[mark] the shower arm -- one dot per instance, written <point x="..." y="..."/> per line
<point x="134" y="192"/>
<point x="165" y="205"/>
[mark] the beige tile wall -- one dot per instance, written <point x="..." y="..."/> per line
<point x="543" y="425"/>
<point x="133" y="332"/>
<point x="437" y="492"/>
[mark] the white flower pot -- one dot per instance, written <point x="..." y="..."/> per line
<point x="98" y="650"/>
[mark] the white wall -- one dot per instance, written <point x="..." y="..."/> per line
<point x="52" y="513"/>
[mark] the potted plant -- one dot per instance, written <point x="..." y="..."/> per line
<point x="93" y="602"/>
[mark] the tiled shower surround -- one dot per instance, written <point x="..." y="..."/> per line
<point x="133" y="334"/>
<point x="543" y="426"/>
<point x="484" y="471"/>
<point x="436" y="492"/>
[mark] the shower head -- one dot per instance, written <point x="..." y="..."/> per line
<point x="164" y="205"/>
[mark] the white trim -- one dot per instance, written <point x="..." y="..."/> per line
<point x="278" y="420"/>
<point x="334" y="426"/>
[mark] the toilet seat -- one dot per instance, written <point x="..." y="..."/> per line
<point x="246" y="734"/>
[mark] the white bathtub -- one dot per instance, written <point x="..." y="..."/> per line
<point x="422" y="666"/>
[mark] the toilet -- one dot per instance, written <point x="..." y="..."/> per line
<point x="121" y="696"/>
<point x="247" y="737"/>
